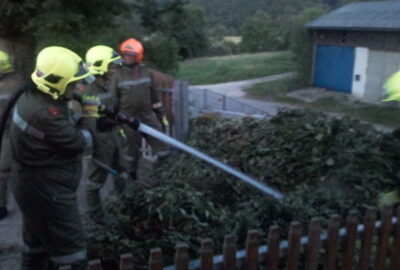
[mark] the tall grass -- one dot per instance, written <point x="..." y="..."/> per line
<point x="234" y="68"/>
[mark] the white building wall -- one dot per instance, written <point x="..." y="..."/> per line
<point x="380" y="66"/>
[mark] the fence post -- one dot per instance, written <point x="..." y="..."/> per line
<point x="314" y="235"/>
<point x="229" y="251"/>
<point x="273" y="248"/>
<point x="224" y="102"/>
<point x="395" y="260"/>
<point x="332" y="242"/>
<point x="95" y="265"/>
<point x="384" y="232"/>
<point x="252" y="250"/>
<point x="350" y="240"/>
<point x="367" y="238"/>
<point x="182" y="257"/>
<point x="156" y="259"/>
<point x="126" y="262"/>
<point x="294" y="246"/>
<point x="206" y="255"/>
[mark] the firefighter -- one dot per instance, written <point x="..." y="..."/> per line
<point x="134" y="86"/>
<point x="392" y="87"/>
<point x="9" y="83"/>
<point x="103" y="62"/>
<point x="47" y="144"/>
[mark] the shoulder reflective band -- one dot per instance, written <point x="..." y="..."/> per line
<point x="88" y="138"/>
<point x="25" y="127"/>
<point x="157" y="105"/>
<point x="70" y="258"/>
<point x="104" y="96"/>
<point x="134" y="82"/>
<point x="32" y="250"/>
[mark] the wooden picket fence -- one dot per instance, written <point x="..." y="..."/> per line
<point x="372" y="244"/>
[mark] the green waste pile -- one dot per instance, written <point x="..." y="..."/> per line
<point x="323" y="165"/>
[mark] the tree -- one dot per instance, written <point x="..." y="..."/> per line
<point x="258" y="34"/>
<point x="162" y="52"/>
<point x="30" y="25"/>
<point x="301" y="43"/>
<point x="176" y="19"/>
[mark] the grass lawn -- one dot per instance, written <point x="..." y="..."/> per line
<point x="278" y="91"/>
<point x="234" y="68"/>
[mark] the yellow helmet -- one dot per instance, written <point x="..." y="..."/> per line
<point x="5" y="63"/>
<point x="392" y="87"/>
<point x="99" y="57"/>
<point x="56" y="67"/>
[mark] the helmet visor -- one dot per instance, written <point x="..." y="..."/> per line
<point x="116" y="58"/>
<point x="84" y="73"/>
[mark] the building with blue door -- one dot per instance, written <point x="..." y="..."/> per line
<point x="356" y="48"/>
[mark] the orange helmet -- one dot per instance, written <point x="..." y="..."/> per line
<point x="133" y="47"/>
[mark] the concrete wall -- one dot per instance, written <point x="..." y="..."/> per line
<point x="381" y="64"/>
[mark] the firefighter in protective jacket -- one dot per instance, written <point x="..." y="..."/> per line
<point x="47" y="144"/>
<point x="138" y="98"/>
<point x="9" y="83"/>
<point x="107" y="159"/>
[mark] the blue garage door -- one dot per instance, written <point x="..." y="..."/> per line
<point x="334" y="67"/>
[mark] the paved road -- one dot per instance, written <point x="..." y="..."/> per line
<point x="232" y="97"/>
<point x="235" y="88"/>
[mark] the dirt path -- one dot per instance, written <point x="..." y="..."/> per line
<point x="235" y="89"/>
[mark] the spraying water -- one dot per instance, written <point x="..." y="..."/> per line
<point x="249" y="180"/>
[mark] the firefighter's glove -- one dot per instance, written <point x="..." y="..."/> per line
<point x="134" y="123"/>
<point x="90" y="105"/>
<point x="165" y="121"/>
<point x="107" y="123"/>
<point x="388" y="199"/>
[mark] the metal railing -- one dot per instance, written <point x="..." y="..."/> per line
<point x="205" y="100"/>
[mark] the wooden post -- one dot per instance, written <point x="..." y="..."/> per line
<point x="229" y="251"/>
<point x="332" y="242"/>
<point x="126" y="262"/>
<point x="350" y="241"/>
<point x="180" y="104"/>
<point x="274" y="238"/>
<point x="156" y="259"/>
<point x="252" y="250"/>
<point x="314" y="235"/>
<point x="367" y="238"/>
<point x="395" y="260"/>
<point x="182" y="257"/>
<point x="294" y="246"/>
<point x="384" y="232"/>
<point x="206" y="255"/>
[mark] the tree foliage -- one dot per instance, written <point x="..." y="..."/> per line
<point x="176" y="19"/>
<point x="301" y="44"/>
<point x="162" y="52"/>
<point x="31" y="25"/>
<point x="233" y="13"/>
<point x="258" y="34"/>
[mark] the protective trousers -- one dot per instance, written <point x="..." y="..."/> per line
<point x="134" y="139"/>
<point x="5" y="168"/>
<point x="52" y="231"/>
<point x="108" y="153"/>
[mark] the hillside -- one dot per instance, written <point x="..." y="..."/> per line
<point x="232" y="13"/>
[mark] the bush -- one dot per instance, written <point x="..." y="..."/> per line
<point x="323" y="166"/>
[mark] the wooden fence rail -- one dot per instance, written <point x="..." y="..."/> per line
<point x="373" y="244"/>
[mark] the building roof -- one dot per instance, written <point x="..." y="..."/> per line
<point x="372" y="16"/>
